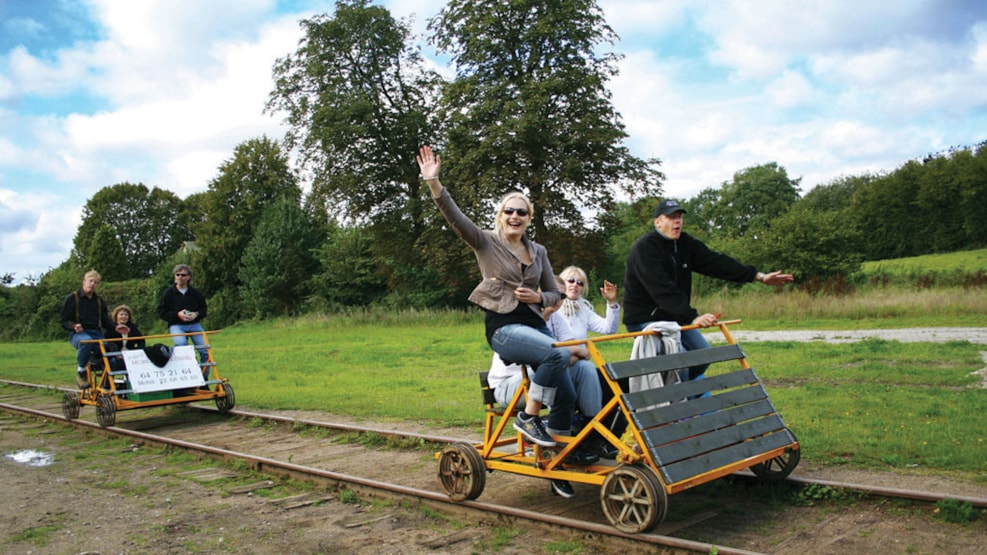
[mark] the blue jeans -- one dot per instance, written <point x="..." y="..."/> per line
<point x="589" y="394"/>
<point x="198" y="340"/>
<point x="84" y="350"/>
<point x="551" y="385"/>
<point x="692" y="340"/>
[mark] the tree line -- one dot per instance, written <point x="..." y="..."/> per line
<point x="527" y="109"/>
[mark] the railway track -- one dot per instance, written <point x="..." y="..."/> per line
<point x="304" y="449"/>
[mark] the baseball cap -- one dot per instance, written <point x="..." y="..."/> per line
<point x="668" y="207"/>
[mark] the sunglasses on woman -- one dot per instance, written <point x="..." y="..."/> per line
<point x="520" y="211"/>
<point x="578" y="282"/>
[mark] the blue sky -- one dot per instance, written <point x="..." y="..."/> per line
<point x="97" y="92"/>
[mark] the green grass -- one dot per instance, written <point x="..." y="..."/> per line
<point x="960" y="261"/>
<point x="871" y="404"/>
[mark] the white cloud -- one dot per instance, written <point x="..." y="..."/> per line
<point x="168" y="88"/>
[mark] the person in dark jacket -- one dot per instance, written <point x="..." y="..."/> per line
<point x="658" y="278"/>
<point x="85" y="317"/>
<point x="126" y="330"/>
<point x="183" y="307"/>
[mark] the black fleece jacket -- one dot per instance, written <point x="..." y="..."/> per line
<point x="658" y="277"/>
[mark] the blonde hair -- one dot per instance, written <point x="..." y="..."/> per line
<point x="92" y="274"/>
<point x="122" y="308"/>
<point x="574" y="272"/>
<point x="498" y="223"/>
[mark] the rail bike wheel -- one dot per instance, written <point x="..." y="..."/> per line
<point x="633" y="499"/>
<point x="777" y="468"/>
<point x="71" y="405"/>
<point x="225" y="403"/>
<point x="106" y="410"/>
<point x="462" y="472"/>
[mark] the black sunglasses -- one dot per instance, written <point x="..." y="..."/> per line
<point x="520" y="211"/>
<point x="578" y="282"/>
<point x="181" y="275"/>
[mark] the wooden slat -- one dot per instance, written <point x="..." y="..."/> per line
<point x="705" y="423"/>
<point x="696" y="446"/>
<point x="690" y="468"/>
<point x="675" y="393"/>
<point x="663" y="363"/>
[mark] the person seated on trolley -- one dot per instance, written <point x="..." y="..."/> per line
<point x="125" y="330"/>
<point x="183" y="307"/>
<point x="504" y="379"/>
<point x="85" y="317"/>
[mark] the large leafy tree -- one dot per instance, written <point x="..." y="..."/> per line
<point x="357" y="100"/>
<point x="747" y="204"/>
<point x="106" y="255"/>
<point x="279" y="262"/>
<point x="149" y="225"/>
<point x="814" y="246"/>
<point x="530" y="109"/>
<point x="256" y="177"/>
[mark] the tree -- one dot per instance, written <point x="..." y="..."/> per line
<point x="812" y="246"/>
<point x="148" y="225"/>
<point x="884" y="211"/>
<point x="349" y="273"/>
<point x="256" y="177"/>
<point x="358" y="101"/>
<point x="747" y="204"/>
<point x="107" y="256"/>
<point x="279" y="261"/>
<point x="529" y="109"/>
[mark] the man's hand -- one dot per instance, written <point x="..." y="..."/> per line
<point x="706" y="320"/>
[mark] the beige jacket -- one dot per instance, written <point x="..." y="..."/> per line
<point x="501" y="270"/>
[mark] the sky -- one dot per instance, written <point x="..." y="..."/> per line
<point x="99" y="92"/>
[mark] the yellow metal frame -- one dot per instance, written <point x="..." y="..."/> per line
<point x="102" y="383"/>
<point x="514" y="455"/>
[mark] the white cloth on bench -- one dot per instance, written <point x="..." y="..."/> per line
<point x="645" y="346"/>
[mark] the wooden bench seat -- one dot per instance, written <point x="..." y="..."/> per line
<point x="698" y="426"/>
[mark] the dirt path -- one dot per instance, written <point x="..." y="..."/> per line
<point x="905" y="335"/>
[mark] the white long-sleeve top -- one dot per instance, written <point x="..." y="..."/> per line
<point x="582" y="319"/>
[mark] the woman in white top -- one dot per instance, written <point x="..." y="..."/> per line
<point x="578" y="312"/>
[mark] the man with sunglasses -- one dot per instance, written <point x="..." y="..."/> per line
<point x="658" y="278"/>
<point x="183" y="307"/>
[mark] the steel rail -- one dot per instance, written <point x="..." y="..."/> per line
<point x="481" y="509"/>
<point x="914" y="495"/>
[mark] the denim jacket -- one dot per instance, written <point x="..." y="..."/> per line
<point x="501" y="270"/>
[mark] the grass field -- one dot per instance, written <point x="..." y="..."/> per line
<point x="872" y="404"/>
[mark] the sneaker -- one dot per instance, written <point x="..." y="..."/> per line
<point x="606" y="451"/>
<point x="81" y="381"/>
<point x="580" y="456"/>
<point x="533" y="430"/>
<point x="563" y="488"/>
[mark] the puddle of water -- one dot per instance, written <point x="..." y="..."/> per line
<point x="32" y="458"/>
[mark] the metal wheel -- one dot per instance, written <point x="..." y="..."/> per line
<point x="106" y="410"/>
<point x="633" y="499"/>
<point x="226" y="402"/>
<point x="777" y="468"/>
<point x="71" y="405"/>
<point x="462" y="472"/>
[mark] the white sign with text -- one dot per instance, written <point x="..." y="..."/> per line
<point x="181" y="372"/>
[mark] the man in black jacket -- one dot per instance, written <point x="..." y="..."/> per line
<point x="658" y="278"/>
<point x="85" y="317"/>
<point x="183" y="307"/>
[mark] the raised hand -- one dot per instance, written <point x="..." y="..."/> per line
<point x="428" y="163"/>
